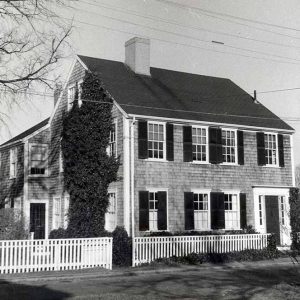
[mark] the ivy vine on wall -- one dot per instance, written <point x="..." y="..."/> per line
<point x="88" y="169"/>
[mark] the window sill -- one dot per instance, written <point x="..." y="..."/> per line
<point x="155" y="160"/>
<point x="37" y="175"/>
<point x="272" y="166"/>
<point x="10" y="178"/>
<point x="196" y="162"/>
<point x="229" y="164"/>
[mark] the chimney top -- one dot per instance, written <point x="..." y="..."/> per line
<point x="137" y="55"/>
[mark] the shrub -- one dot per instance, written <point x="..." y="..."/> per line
<point x="59" y="233"/>
<point x="295" y="217"/>
<point x="122" y="247"/>
<point x="12" y="225"/>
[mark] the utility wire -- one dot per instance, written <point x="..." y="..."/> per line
<point x="156" y="18"/>
<point x="186" y="7"/>
<point x="192" y="37"/>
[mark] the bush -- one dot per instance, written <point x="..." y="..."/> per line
<point x="12" y="225"/>
<point x="294" y="201"/>
<point x="122" y="247"/>
<point x="59" y="233"/>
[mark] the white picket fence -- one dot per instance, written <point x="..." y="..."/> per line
<point x="147" y="249"/>
<point x="60" y="254"/>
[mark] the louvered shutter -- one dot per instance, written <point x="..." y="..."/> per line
<point x="143" y="210"/>
<point x="280" y="150"/>
<point x="260" y="139"/>
<point x="162" y="211"/>
<point x="187" y="143"/>
<point x="143" y="139"/>
<point x="170" y="141"/>
<point x="240" y="144"/>
<point x="217" y="210"/>
<point x="215" y="145"/>
<point x="189" y="210"/>
<point x="243" y="212"/>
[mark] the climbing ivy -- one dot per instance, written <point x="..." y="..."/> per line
<point x="295" y="217"/>
<point x="88" y="169"/>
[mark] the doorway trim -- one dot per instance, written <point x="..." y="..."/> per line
<point x="285" y="230"/>
<point x="46" y="202"/>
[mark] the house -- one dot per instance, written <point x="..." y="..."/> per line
<point x="196" y="152"/>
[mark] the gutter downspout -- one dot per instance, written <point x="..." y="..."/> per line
<point x="132" y="184"/>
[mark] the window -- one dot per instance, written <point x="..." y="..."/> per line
<point x="38" y="159"/>
<point x="57" y="212"/>
<point x="153" y="207"/>
<point x="229" y="146"/>
<point x="282" y="210"/>
<point x="270" y="149"/>
<point x="156" y="140"/>
<point x="66" y="210"/>
<point x="112" y="145"/>
<point x="13" y="163"/>
<point x="199" y="136"/>
<point x="232" y="220"/>
<point x="260" y="209"/>
<point x="201" y="211"/>
<point x="71" y="96"/>
<point x="79" y="92"/>
<point x="110" y="216"/>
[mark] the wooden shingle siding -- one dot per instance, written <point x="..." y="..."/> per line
<point x="179" y="176"/>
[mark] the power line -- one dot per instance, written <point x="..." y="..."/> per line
<point x="155" y="18"/>
<point x="182" y="44"/>
<point x="220" y="18"/>
<point x="191" y="37"/>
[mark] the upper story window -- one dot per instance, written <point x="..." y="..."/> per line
<point x="38" y="159"/>
<point x="229" y="151"/>
<point x="112" y="144"/>
<point x="156" y="140"/>
<point x="71" y="96"/>
<point x="270" y="149"/>
<point x="13" y="162"/>
<point x="200" y="144"/>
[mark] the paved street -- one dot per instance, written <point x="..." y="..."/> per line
<point x="261" y="280"/>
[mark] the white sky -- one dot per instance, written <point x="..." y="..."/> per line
<point x="263" y="66"/>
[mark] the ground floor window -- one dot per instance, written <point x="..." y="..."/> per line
<point x="57" y="212"/>
<point x="232" y="220"/>
<point x="201" y="211"/>
<point x="153" y="206"/>
<point x="111" y="216"/>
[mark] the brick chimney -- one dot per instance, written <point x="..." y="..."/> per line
<point x="137" y="55"/>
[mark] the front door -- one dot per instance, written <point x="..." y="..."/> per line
<point x="272" y="216"/>
<point x="37" y="219"/>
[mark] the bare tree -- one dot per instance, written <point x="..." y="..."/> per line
<point x="32" y="38"/>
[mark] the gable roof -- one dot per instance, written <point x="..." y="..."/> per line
<point x="179" y="95"/>
<point x="26" y="133"/>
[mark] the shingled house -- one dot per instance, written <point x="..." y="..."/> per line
<point x="196" y="152"/>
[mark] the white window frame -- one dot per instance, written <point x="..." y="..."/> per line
<point x="164" y="142"/>
<point x="13" y="155"/>
<point x="114" y="191"/>
<point x="207" y="144"/>
<point x="29" y="160"/>
<point x="203" y="191"/>
<point x="71" y="86"/>
<point x="277" y="153"/>
<point x="79" y="92"/>
<point x="156" y="190"/>
<point x="237" y="193"/>
<point x="235" y="147"/>
<point x="108" y="150"/>
<point x="55" y="215"/>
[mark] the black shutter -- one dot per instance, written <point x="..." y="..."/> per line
<point x="217" y="211"/>
<point x="215" y="146"/>
<point x="162" y="211"/>
<point x="143" y="139"/>
<point x="170" y="141"/>
<point x="240" y="144"/>
<point x="243" y="213"/>
<point x="187" y="143"/>
<point x="189" y="210"/>
<point x="260" y="139"/>
<point x="144" y="210"/>
<point x="280" y="150"/>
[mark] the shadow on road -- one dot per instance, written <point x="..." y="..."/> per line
<point x="12" y="291"/>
